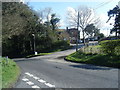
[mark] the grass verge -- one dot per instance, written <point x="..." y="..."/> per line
<point x="92" y="49"/>
<point x="95" y="59"/>
<point x="40" y="54"/>
<point x="50" y="52"/>
<point x="10" y="73"/>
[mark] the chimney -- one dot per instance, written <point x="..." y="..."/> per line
<point x="66" y="28"/>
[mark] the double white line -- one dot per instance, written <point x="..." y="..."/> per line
<point x="38" y="79"/>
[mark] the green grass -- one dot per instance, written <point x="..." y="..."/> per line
<point x="92" y="49"/>
<point x="40" y="54"/>
<point x="10" y="73"/>
<point x="95" y="59"/>
<point x="0" y="76"/>
<point x="49" y="52"/>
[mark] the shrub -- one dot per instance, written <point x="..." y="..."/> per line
<point x="61" y="44"/>
<point x="110" y="46"/>
<point x="117" y="50"/>
<point x="92" y="49"/>
<point x="54" y="46"/>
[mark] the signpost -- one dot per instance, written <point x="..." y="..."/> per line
<point x="34" y="44"/>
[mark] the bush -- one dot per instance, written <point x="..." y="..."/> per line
<point x="96" y="59"/>
<point x="92" y="49"/>
<point x="109" y="47"/>
<point x="61" y="45"/>
<point x="53" y="46"/>
<point x="117" y="50"/>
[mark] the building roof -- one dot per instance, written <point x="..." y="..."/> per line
<point x="72" y="29"/>
<point x="61" y="30"/>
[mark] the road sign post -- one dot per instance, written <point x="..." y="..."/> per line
<point x="34" y="44"/>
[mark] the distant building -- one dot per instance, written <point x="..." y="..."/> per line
<point x="73" y="34"/>
<point x="63" y="34"/>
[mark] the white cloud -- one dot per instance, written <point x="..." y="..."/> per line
<point x="61" y="23"/>
<point x="104" y="18"/>
<point x="68" y="0"/>
<point x="22" y="1"/>
<point x="119" y="3"/>
<point x="71" y="11"/>
<point x="105" y="27"/>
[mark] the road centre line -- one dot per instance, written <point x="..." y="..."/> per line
<point x="38" y="79"/>
<point x="30" y="83"/>
<point x="35" y="86"/>
<point x="35" y="77"/>
<point x="29" y="74"/>
<point x="42" y="81"/>
<point x="25" y="79"/>
<point x="50" y="85"/>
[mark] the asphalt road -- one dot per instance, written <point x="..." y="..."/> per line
<point x="51" y="71"/>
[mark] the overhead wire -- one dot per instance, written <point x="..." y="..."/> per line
<point x="102" y="4"/>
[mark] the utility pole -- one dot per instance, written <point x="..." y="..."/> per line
<point x="77" y="33"/>
<point x="34" y="44"/>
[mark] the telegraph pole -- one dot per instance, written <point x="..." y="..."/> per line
<point x="34" y="48"/>
<point x="77" y="33"/>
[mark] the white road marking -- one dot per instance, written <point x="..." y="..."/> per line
<point x="35" y="77"/>
<point x="50" y="85"/>
<point x="35" y="86"/>
<point x="29" y="74"/>
<point x="25" y="79"/>
<point x="38" y="79"/>
<point x="30" y="83"/>
<point x="42" y="81"/>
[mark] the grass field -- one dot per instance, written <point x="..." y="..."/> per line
<point x="10" y="73"/>
<point x="92" y="49"/>
<point x="95" y="57"/>
<point x="40" y="54"/>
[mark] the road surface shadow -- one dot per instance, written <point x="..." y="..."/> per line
<point x="25" y="59"/>
<point x="90" y="67"/>
<point x="61" y="57"/>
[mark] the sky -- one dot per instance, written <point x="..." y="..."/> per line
<point x="60" y="8"/>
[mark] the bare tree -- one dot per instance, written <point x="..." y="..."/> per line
<point x="86" y="16"/>
<point x="44" y="14"/>
<point x="47" y="13"/>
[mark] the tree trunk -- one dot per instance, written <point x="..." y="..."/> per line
<point x="116" y="33"/>
<point x="31" y="48"/>
<point x="84" y="37"/>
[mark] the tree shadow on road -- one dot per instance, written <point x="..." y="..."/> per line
<point x="90" y="67"/>
<point x="61" y="57"/>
